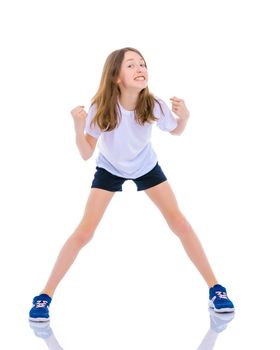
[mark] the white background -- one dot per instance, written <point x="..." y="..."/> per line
<point x="133" y="287"/>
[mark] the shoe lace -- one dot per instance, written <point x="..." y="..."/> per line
<point x="221" y="295"/>
<point x="41" y="303"/>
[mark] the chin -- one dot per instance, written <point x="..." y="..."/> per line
<point x="141" y="86"/>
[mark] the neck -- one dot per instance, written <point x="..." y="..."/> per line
<point x="128" y="100"/>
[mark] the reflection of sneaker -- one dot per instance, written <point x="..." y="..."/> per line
<point x="40" y="309"/>
<point x="41" y="329"/>
<point x="219" y="321"/>
<point x="218" y="299"/>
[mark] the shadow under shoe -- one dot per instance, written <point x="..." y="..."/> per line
<point x="43" y="330"/>
<point x="219" y="321"/>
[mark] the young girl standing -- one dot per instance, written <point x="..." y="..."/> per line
<point x="121" y="117"/>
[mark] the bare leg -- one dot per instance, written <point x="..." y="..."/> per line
<point x="164" y="198"/>
<point x="97" y="202"/>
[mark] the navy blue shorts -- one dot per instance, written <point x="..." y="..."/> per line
<point x="105" y="180"/>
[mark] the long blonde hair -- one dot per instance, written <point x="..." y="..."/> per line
<point x="106" y="98"/>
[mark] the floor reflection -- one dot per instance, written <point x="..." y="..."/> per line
<point x="43" y="330"/>
<point x="218" y="323"/>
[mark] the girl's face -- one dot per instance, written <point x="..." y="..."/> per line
<point x="133" y="74"/>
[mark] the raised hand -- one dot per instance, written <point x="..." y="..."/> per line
<point x="179" y="108"/>
<point x="79" y="116"/>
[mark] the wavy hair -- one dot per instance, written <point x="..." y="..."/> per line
<point x="106" y="97"/>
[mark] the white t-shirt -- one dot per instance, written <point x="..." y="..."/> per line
<point x="127" y="151"/>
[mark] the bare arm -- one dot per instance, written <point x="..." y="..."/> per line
<point x="181" y="124"/>
<point x="85" y="142"/>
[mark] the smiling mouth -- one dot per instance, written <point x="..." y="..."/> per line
<point x="140" y="78"/>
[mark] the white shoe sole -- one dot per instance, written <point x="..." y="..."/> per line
<point x="225" y="309"/>
<point x="39" y="319"/>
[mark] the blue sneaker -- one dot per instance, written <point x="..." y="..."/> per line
<point x="218" y="299"/>
<point x="40" y="309"/>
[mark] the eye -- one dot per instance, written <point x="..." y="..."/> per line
<point x="130" y="66"/>
<point x="143" y="65"/>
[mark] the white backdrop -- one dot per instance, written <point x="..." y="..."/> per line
<point x="222" y="57"/>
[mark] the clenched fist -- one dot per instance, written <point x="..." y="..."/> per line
<point x="79" y="116"/>
<point x="179" y="108"/>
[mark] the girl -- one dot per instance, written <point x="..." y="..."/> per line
<point x="121" y="117"/>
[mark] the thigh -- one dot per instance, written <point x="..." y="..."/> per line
<point x="164" y="198"/>
<point x="96" y="205"/>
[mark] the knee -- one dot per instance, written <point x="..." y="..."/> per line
<point x="83" y="234"/>
<point x="179" y="224"/>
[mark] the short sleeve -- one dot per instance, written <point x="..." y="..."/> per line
<point x="166" y="120"/>
<point x="93" y="131"/>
